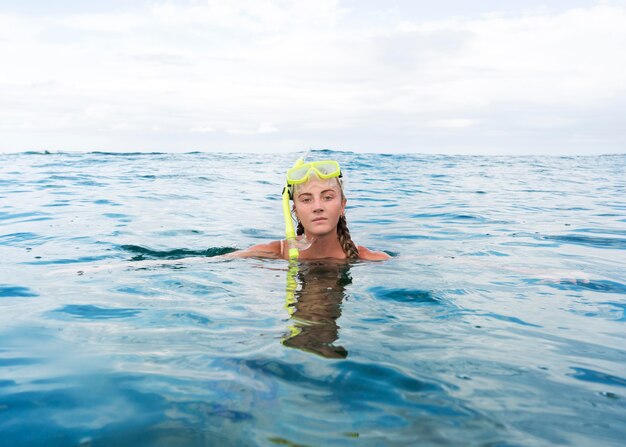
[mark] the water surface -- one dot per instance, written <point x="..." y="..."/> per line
<point x="500" y="319"/>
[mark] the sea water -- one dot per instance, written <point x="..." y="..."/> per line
<point x="499" y="321"/>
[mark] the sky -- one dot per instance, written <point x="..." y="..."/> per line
<point x="391" y="76"/>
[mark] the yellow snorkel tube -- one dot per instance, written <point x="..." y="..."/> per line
<point x="294" y="253"/>
<point x="290" y="233"/>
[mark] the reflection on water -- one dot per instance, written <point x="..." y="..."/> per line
<point x="315" y="292"/>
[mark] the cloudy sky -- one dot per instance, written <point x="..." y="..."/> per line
<point x="453" y="76"/>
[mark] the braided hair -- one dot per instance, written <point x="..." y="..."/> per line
<point x="349" y="247"/>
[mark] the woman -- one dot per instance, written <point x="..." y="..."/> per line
<point x="319" y="207"/>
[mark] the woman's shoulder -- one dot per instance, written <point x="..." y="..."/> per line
<point x="370" y="255"/>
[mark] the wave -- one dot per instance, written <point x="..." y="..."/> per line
<point x="405" y="295"/>
<point x="90" y="312"/>
<point x="142" y="253"/>
<point x="589" y="241"/>
<point x="7" y="291"/>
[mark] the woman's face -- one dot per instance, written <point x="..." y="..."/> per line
<point x="318" y="205"/>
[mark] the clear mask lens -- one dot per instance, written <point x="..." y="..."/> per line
<point x="298" y="174"/>
<point x="327" y="169"/>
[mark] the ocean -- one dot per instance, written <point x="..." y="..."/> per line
<point x="499" y="321"/>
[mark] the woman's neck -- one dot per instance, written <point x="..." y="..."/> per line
<point x="325" y="246"/>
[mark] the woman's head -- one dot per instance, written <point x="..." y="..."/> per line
<point x="319" y="202"/>
<point x="318" y="205"/>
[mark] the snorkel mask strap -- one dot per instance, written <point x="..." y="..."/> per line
<point x="290" y="233"/>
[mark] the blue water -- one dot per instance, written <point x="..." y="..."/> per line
<point x="500" y="320"/>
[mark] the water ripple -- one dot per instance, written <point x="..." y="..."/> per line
<point x="405" y="295"/>
<point x="590" y="241"/>
<point x="589" y="375"/>
<point x="176" y="253"/>
<point x="7" y="291"/>
<point x="90" y="312"/>
<point x="34" y="216"/>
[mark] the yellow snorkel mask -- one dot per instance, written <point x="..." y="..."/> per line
<point x="298" y="174"/>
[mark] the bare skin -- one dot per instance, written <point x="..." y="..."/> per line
<point x="278" y="250"/>
<point x="318" y="205"/>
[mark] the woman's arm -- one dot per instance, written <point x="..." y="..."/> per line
<point x="272" y="250"/>
<point x="369" y="255"/>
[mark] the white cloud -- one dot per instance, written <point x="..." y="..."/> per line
<point x="267" y="128"/>
<point x="309" y="71"/>
<point x="259" y="16"/>
<point x="458" y="123"/>
<point x="203" y="129"/>
<point x="105" y="23"/>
